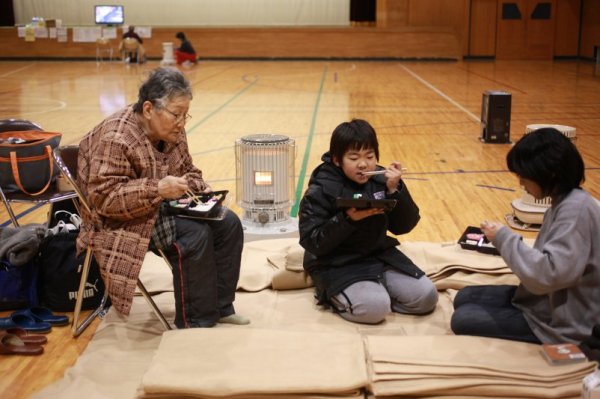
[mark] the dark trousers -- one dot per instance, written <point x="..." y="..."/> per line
<point x="206" y="259"/>
<point x="487" y="311"/>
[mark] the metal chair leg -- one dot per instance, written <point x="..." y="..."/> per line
<point x="11" y="214"/>
<point x="152" y="304"/>
<point x="76" y="328"/>
<point x="160" y="251"/>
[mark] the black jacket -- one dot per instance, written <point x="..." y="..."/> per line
<point x="186" y="47"/>
<point x="339" y="251"/>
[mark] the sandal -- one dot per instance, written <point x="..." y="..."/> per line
<point x="28" y="339"/>
<point x="11" y="344"/>
<point x="42" y="314"/>
<point x="24" y="321"/>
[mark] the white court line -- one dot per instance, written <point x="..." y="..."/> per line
<point x="61" y="105"/>
<point x="16" y="70"/>
<point x="441" y="94"/>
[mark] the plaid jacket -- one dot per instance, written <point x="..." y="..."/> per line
<point x="118" y="172"/>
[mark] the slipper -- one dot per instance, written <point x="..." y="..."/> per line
<point x="42" y="314"/>
<point x="28" y="339"/>
<point x="25" y="322"/>
<point x="11" y="344"/>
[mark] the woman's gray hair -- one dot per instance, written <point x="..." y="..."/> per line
<point x="163" y="85"/>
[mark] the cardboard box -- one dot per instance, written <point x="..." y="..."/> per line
<point x="563" y="353"/>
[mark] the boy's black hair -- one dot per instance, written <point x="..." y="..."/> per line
<point x="357" y="134"/>
<point x="550" y="159"/>
<point x="180" y="35"/>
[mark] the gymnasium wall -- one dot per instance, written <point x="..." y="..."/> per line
<point x="196" y="13"/>
<point x="431" y="29"/>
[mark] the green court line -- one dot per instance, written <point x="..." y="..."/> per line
<point x="226" y="103"/>
<point x="311" y="133"/>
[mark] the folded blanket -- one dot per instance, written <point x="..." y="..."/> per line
<point x="250" y="362"/>
<point x="465" y="365"/>
<point x="257" y="272"/>
<point x="277" y="264"/>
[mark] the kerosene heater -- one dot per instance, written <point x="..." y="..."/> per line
<point x="265" y="183"/>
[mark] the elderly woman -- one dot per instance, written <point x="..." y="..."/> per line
<point x="128" y="166"/>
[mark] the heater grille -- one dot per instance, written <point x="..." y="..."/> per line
<point x="265" y="177"/>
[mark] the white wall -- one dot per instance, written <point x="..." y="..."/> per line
<point x="193" y="13"/>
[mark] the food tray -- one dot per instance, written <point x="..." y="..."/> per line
<point x="202" y="206"/>
<point x="483" y="245"/>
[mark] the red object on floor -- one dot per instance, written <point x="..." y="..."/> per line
<point x="180" y="57"/>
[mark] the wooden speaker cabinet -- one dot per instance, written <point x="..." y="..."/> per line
<point x="495" y="117"/>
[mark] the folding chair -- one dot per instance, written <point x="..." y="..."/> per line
<point x="130" y="48"/>
<point x="66" y="159"/>
<point x="50" y="196"/>
<point x="103" y="48"/>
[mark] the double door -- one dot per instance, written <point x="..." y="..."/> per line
<point x="526" y="29"/>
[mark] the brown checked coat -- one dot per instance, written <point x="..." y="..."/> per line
<point x="118" y="172"/>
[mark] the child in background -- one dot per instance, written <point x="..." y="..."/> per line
<point x="357" y="268"/>
<point x="558" y="299"/>
<point x="185" y="54"/>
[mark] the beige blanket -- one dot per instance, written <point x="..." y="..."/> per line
<point x="126" y="357"/>
<point x="277" y="264"/>
<point x="251" y="361"/>
<point x="462" y="365"/>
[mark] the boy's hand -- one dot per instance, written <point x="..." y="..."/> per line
<point x="359" y="214"/>
<point x="393" y="175"/>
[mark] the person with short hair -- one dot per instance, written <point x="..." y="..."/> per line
<point x="185" y="53"/>
<point x="132" y="34"/>
<point x="356" y="266"/>
<point x="558" y="298"/>
<point x="128" y="166"/>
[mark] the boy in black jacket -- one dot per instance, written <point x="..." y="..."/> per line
<point x="355" y="265"/>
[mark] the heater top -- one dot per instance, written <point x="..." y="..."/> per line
<point x="264" y="139"/>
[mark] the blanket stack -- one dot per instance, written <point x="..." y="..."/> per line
<point x="277" y="264"/>
<point x="451" y="267"/>
<point x="256" y="363"/>
<point x="447" y="365"/>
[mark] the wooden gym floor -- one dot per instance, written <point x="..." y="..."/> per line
<point x="426" y="114"/>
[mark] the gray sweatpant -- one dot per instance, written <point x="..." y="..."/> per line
<point x="370" y="301"/>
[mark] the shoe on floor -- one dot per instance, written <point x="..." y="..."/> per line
<point x="42" y="314"/>
<point x="235" y="319"/>
<point x="11" y="344"/>
<point x="28" y="339"/>
<point x="24" y="321"/>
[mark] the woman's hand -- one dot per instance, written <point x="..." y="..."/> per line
<point x="171" y="187"/>
<point x="490" y="229"/>
<point x="359" y="214"/>
<point x="207" y="188"/>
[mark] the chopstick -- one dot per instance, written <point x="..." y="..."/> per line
<point x="192" y="196"/>
<point x="379" y="172"/>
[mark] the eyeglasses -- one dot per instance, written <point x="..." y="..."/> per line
<point x="179" y="117"/>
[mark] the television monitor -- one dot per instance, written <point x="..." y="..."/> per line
<point x="109" y="15"/>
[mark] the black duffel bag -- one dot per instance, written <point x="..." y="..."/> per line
<point x="60" y="273"/>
